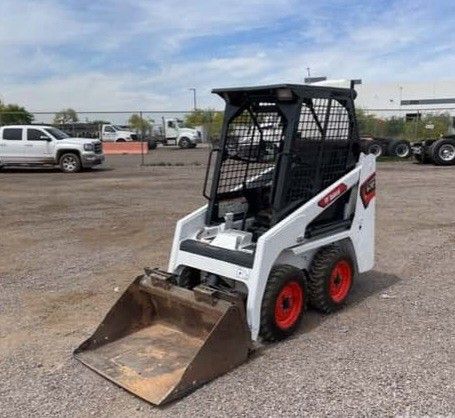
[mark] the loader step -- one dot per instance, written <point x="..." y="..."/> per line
<point x="239" y="258"/>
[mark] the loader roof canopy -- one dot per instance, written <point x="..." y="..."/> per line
<point x="282" y="92"/>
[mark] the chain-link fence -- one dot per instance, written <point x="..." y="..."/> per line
<point x="404" y="123"/>
<point x="185" y="129"/>
<point x="156" y="129"/>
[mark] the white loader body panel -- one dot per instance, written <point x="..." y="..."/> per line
<point x="285" y="242"/>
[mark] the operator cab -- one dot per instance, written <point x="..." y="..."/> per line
<point x="281" y="146"/>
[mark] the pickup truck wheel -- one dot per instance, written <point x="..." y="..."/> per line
<point x="70" y="163"/>
<point x="184" y="143"/>
<point x="120" y="140"/>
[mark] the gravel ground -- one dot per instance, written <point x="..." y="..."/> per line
<point x="68" y="241"/>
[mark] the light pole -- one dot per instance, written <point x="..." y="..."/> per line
<point x="194" y="97"/>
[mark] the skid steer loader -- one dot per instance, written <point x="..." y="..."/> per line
<point x="289" y="223"/>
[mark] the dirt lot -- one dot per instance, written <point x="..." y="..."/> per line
<point x="70" y="243"/>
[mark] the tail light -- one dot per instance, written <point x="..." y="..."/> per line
<point x="368" y="190"/>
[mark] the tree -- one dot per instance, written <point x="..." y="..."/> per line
<point x="395" y="127"/>
<point x="211" y="121"/>
<point x="418" y="128"/>
<point x="140" y="124"/>
<point x="399" y="127"/>
<point x="13" y="114"/>
<point x="65" y="116"/>
<point x="369" y="124"/>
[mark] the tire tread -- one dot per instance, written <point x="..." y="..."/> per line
<point x="277" y="278"/>
<point x="318" y="275"/>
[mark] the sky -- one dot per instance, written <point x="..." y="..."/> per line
<point x="146" y="54"/>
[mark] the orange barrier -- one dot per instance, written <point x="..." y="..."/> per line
<point x="110" y="148"/>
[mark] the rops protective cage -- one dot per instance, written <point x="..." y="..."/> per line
<point x="280" y="146"/>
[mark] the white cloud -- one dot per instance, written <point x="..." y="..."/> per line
<point x="187" y="19"/>
<point x="90" y="91"/>
<point x="400" y="43"/>
<point x="39" y="23"/>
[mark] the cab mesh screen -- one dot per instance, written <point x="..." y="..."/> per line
<point x="253" y="142"/>
<point x="319" y="150"/>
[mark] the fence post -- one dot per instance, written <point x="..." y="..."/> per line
<point x="416" y="125"/>
<point x="142" y="139"/>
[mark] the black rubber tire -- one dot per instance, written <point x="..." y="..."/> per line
<point x="184" y="143"/>
<point x="320" y="273"/>
<point x="189" y="277"/>
<point x="280" y="275"/>
<point x="375" y="148"/>
<point x="120" y="140"/>
<point x="152" y="144"/>
<point x="437" y="146"/>
<point x="64" y="163"/>
<point x="399" y="148"/>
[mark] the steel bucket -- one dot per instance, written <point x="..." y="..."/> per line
<point x="160" y="341"/>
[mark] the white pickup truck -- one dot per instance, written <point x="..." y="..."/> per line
<point x="46" y="145"/>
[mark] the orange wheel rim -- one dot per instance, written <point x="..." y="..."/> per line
<point x="340" y="281"/>
<point x="288" y="305"/>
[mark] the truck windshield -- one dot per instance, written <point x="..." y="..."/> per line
<point x="57" y="133"/>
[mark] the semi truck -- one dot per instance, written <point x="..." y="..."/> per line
<point x="172" y="131"/>
<point x="435" y="151"/>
